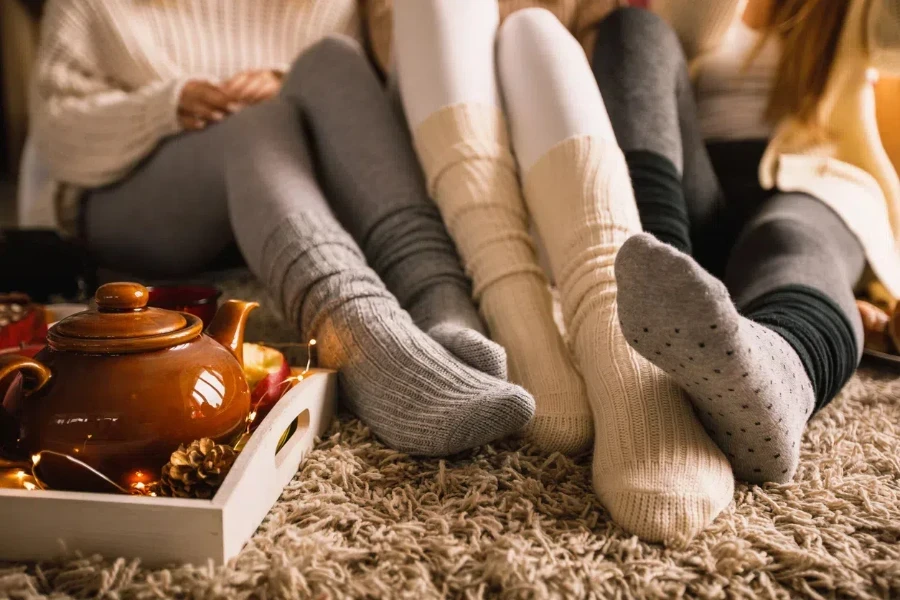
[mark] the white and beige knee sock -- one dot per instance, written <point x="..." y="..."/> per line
<point x="472" y="176"/>
<point x="655" y="468"/>
<point x="444" y="57"/>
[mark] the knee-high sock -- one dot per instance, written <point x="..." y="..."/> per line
<point x="472" y="176"/>
<point x="413" y="394"/>
<point x="375" y="185"/>
<point x="655" y="469"/>
<point x="444" y="54"/>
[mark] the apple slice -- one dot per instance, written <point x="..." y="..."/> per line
<point x="267" y="371"/>
<point x="259" y="361"/>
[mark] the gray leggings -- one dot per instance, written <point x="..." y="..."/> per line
<point x="710" y="203"/>
<point x="789" y="262"/>
<point x="169" y="217"/>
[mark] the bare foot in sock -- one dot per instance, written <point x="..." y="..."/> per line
<point x="747" y="383"/>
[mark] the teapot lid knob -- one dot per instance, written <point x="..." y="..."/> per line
<point x="121" y="296"/>
<point x="122" y="323"/>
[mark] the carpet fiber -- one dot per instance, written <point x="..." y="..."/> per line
<point x="361" y="520"/>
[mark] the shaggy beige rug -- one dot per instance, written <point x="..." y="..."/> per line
<point x="363" y="521"/>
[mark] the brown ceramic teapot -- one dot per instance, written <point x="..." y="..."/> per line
<point x="121" y="386"/>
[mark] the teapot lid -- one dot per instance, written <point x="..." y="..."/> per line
<point x="122" y="323"/>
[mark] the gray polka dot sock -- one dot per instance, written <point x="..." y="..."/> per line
<point x="375" y="185"/>
<point x="747" y="384"/>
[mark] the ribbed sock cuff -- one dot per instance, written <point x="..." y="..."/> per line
<point x="816" y="328"/>
<point x="659" y="196"/>
<point x="412" y="252"/>
<point x="459" y="133"/>
<point x="471" y="173"/>
<point x="312" y="267"/>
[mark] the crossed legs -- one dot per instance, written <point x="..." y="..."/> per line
<point x="252" y="178"/>
<point x="444" y="53"/>
<point x="655" y="468"/>
<point x="777" y="337"/>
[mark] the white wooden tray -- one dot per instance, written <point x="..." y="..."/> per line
<point x="42" y="525"/>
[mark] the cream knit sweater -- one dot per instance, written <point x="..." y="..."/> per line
<point x="109" y="72"/>
<point x="850" y="170"/>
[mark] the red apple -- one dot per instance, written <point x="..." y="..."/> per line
<point x="267" y="372"/>
<point x="29" y="350"/>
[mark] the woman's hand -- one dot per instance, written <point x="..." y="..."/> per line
<point x="202" y="103"/>
<point x="253" y="86"/>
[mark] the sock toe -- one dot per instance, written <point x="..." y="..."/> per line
<point x="646" y="268"/>
<point x="509" y="404"/>
<point x="472" y="348"/>
<point x="564" y="433"/>
<point x="634" y="256"/>
<point x="658" y="516"/>
<point x="666" y="508"/>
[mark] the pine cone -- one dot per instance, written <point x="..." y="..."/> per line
<point x="196" y="471"/>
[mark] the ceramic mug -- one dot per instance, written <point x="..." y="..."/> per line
<point x="197" y="300"/>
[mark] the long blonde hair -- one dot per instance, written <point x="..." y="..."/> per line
<point x="809" y="31"/>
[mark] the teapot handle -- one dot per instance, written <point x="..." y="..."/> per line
<point x="10" y="363"/>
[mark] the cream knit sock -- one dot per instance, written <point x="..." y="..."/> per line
<point x="655" y="469"/>
<point x="471" y="174"/>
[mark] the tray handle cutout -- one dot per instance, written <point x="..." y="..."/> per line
<point x="310" y="404"/>
<point x="299" y="436"/>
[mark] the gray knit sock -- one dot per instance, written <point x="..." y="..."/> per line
<point x="374" y="183"/>
<point x="406" y="387"/>
<point x="747" y="383"/>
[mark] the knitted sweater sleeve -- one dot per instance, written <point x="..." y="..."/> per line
<point x="89" y="129"/>
<point x="700" y="24"/>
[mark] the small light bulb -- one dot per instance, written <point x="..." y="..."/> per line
<point x="312" y="342"/>
<point x="29" y="486"/>
<point x="20" y="475"/>
<point x="35" y="458"/>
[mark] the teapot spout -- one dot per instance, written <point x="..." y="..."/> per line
<point x="229" y="324"/>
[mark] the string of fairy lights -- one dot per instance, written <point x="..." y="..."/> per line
<point x="140" y="483"/>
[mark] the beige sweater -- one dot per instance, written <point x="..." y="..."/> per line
<point x="850" y="170"/>
<point x="109" y="72"/>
